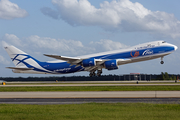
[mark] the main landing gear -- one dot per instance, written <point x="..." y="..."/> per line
<point x="162" y="62"/>
<point x="92" y="73"/>
<point x="99" y="72"/>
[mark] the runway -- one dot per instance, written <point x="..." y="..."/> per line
<point x="64" y="85"/>
<point x="49" y="101"/>
<point x="90" y="83"/>
<point x="94" y="94"/>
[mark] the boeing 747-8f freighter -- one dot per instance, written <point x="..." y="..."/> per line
<point x="94" y="62"/>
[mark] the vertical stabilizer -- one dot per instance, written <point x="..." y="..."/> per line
<point x="19" y="57"/>
<point x="24" y="63"/>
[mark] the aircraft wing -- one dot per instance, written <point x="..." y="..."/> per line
<point x="76" y="61"/>
<point x="70" y="60"/>
<point x="73" y="60"/>
<point x="17" y="68"/>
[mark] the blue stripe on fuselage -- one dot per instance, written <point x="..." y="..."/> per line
<point x="62" y="67"/>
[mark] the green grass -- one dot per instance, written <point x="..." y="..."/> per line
<point x="91" y="111"/>
<point x="92" y="88"/>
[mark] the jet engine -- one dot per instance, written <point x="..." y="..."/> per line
<point x="89" y="62"/>
<point x="111" y="65"/>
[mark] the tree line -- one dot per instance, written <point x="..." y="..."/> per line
<point x="162" y="76"/>
<point x="166" y="76"/>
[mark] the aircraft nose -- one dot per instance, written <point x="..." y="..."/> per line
<point x="175" y="47"/>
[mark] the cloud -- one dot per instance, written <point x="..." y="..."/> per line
<point x="9" y="10"/>
<point x="121" y="15"/>
<point x="107" y="45"/>
<point x="60" y="46"/>
<point x="4" y="44"/>
<point x="49" y="12"/>
<point x="41" y="45"/>
<point x="4" y="61"/>
<point x="13" y="39"/>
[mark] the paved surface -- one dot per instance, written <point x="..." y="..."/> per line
<point x="89" y="83"/>
<point x="94" y="94"/>
<point x="62" y="85"/>
<point x="41" y="101"/>
<point x="132" y="81"/>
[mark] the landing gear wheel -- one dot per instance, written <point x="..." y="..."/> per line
<point x="162" y="62"/>
<point x="99" y="73"/>
<point x="92" y="74"/>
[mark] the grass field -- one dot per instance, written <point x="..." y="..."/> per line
<point x="91" y="111"/>
<point x="92" y="88"/>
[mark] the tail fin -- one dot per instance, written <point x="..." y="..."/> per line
<point x="20" y="58"/>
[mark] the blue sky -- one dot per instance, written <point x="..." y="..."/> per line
<point x="79" y="27"/>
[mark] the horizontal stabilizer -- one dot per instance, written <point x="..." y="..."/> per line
<point x="16" y="68"/>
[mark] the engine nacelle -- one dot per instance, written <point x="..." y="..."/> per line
<point x="111" y="65"/>
<point x="88" y="62"/>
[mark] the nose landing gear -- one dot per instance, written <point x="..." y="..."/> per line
<point x="162" y="62"/>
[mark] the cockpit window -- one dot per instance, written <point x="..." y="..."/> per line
<point x="164" y="42"/>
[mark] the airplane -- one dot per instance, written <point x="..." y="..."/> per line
<point x="110" y="60"/>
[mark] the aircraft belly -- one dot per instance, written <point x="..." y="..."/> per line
<point x="29" y="71"/>
<point x="143" y="58"/>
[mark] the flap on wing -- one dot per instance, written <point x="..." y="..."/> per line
<point x="100" y="61"/>
<point x="16" y="68"/>
<point x="123" y="60"/>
